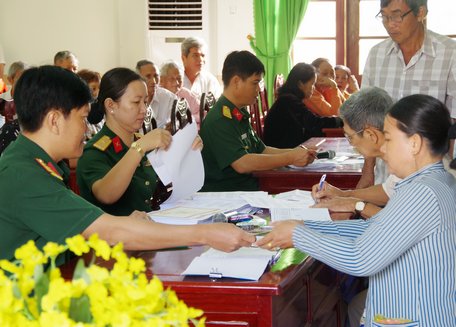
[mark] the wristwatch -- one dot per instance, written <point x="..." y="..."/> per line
<point x="359" y="207"/>
<point x="138" y="148"/>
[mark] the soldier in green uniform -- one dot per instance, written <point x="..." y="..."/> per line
<point x="113" y="172"/>
<point x="232" y="150"/>
<point x="35" y="204"/>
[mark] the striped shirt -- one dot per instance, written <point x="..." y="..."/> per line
<point x="408" y="250"/>
<point x="431" y="71"/>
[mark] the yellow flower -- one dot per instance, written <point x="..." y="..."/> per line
<point x="28" y="250"/>
<point x="77" y="245"/>
<point x="137" y="265"/>
<point x="101" y="247"/>
<point x="59" y="289"/>
<point x="55" y="319"/>
<point x="9" y="267"/>
<point x="52" y="250"/>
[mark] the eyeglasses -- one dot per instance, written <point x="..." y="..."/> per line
<point x="350" y="137"/>
<point x="395" y="17"/>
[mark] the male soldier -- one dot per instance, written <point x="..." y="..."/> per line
<point x="232" y="150"/>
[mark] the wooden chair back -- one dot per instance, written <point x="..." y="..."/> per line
<point x="207" y="101"/>
<point x="278" y="82"/>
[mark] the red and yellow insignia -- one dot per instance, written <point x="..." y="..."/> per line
<point x="49" y="168"/>
<point x="226" y="112"/>
<point x="237" y="114"/>
<point x="103" y="143"/>
<point x="117" y="143"/>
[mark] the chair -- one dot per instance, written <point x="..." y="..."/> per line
<point x="333" y="132"/>
<point x="278" y="82"/>
<point x="207" y="101"/>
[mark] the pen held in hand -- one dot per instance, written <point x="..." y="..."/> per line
<point x="311" y="152"/>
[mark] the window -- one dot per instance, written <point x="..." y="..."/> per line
<point x="345" y="30"/>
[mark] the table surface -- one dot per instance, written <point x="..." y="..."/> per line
<point x="344" y="174"/>
<point x="276" y="299"/>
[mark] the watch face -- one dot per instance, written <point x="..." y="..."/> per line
<point x="359" y="206"/>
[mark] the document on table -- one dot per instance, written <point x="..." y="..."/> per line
<point x="200" y="207"/>
<point x="245" y="263"/>
<point x="289" y="205"/>
<point x="180" y="164"/>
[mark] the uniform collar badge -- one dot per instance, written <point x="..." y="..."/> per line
<point x="237" y="114"/>
<point x="117" y="144"/>
<point x="49" y="167"/>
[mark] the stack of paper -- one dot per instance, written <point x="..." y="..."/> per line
<point x="245" y="263"/>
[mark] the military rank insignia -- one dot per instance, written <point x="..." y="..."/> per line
<point x="103" y="143"/>
<point x="226" y="112"/>
<point x="49" y="167"/>
<point x="237" y="114"/>
<point x="117" y="143"/>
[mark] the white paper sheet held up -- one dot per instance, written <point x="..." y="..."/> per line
<point x="180" y="165"/>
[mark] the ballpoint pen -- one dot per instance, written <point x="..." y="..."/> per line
<point x="322" y="181"/>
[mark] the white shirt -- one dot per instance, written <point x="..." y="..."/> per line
<point x="204" y="82"/>
<point x="161" y="105"/>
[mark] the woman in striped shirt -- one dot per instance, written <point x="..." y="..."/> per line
<point x="408" y="249"/>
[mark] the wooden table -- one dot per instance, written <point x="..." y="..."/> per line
<point x="277" y="299"/>
<point x="343" y="175"/>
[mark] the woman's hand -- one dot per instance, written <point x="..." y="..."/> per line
<point x="156" y="138"/>
<point x="281" y="235"/>
<point x="197" y="143"/>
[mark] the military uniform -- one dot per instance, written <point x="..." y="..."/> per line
<point x="35" y="203"/>
<point x="228" y="136"/>
<point x="100" y="155"/>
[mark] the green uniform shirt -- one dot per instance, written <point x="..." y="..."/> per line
<point x="96" y="162"/>
<point x="35" y="203"/>
<point x="227" y="136"/>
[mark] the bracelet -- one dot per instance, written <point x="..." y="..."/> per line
<point x="138" y="148"/>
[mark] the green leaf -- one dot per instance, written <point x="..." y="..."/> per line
<point x="80" y="272"/>
<point x="80" y="309"/>
<point x="41" y="285"/>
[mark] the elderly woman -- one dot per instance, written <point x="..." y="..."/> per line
<point x="289" y="122"/>
<point x="407" y="249"/>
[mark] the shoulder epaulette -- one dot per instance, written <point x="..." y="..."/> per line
<point x="226" y="112"/>
<point x="103" y="143"/>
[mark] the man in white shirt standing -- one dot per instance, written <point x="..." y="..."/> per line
<point x="160" y="100"/>
<point x="196" y="79"/>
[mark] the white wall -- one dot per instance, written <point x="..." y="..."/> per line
<point x="109" y="33"/>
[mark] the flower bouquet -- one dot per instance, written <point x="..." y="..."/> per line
<point x="33" y="292"/>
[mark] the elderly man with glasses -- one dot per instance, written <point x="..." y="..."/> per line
<point x="363" y="115"/>
<point x="412" y="60"/>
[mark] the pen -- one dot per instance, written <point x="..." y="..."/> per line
<point x="322" y="181"/>
<point x="310" y="151"/>
<point x="320" y="143"/>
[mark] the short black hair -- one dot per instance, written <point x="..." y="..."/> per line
<point x="241" y="63"/>
<point x="41" y="89"/>
<point x="426" y="116"/>
<point x="301" y="72"/>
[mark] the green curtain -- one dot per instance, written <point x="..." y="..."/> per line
<point x="276" y="25"/>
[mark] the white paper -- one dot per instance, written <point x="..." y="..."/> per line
<point x="180" y="165"/>
<point x="206" y="204"/>
<point x="245" y="263"/>
<point x="319" y="214"/>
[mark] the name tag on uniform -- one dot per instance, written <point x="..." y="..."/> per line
<point x="244" y="136"/>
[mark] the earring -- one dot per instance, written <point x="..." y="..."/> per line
<point x="111" y="111"/>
